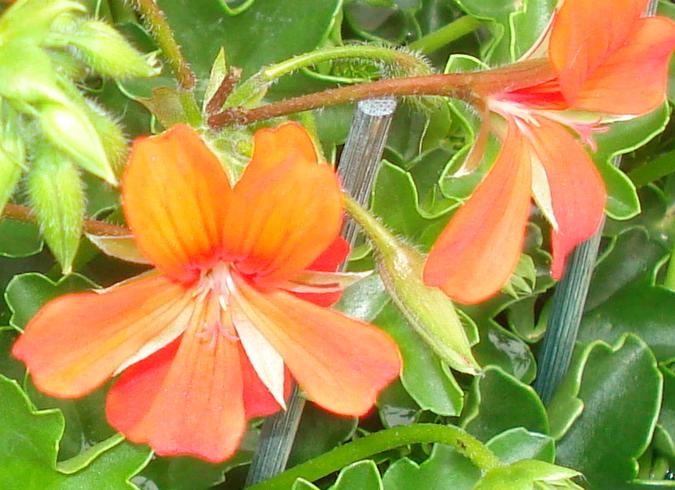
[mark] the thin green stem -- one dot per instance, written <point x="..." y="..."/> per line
<point x="653" y="169"/>
<point x="404" y="61"/>
<point x="446" y="34"/>
<point x="379" y="442"/>
<point x="163" y="35"/>
<point x="669" y="281"/>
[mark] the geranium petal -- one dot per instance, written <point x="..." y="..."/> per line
<point x="286" y="215"/>
<point x="77" y="341"/>
<point x="577" y="189"/>
<point x="612" y="88"/>
<point x="340" y="363"/>
<point x="266" y="361"/>
<point x="332" y="257"/>
<point x="175" y="195"/>
<point x="328" y="261"/>
<point x="479" y="249"/>
<point x="258" y="401"/>
<point x="191" y="402"/>
<point x="585" y="33"/>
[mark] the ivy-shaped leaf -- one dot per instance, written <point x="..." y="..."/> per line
<point x="497" y="402"/>
<point x="29" y="443"/>
<point x="26" y="293"/>
<point x="427" y="379"/>
<point x="620" y="387"/>
<point x="625" y="299"/>
<point x="445" y="468"/>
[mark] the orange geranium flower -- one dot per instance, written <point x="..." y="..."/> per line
<point x="606" y="59"/>
<point x="213" y="335"/>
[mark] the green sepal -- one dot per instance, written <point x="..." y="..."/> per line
<point x="107" y="51"/>
<point x="30" y="20"/>
<point x="12" y="152"/>
<point x="68" y="128"/>
<point x="57" y="198"/>
<point x="428" y="309"/>
<point x="27" y="74"/>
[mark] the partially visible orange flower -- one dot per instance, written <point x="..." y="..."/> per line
<point x="607" y="60"/>
<point x="213" y="335"/>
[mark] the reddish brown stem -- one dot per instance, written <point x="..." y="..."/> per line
<point x="224" y="90"/>
<point x="470" y="86"/>
<point x="94" y="227"/>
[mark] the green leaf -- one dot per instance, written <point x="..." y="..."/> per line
<point x="282" y="29"/>
<point x="444" y="469"/>
<point x="497" y="402"/>
<point x="395" y="200"/>
<point x="622" y="199"/>
<point x="365" y="299"/>
<point x="26" y="293"/>
<point x="656" y="217"/>
<point x="427" y="379"/>
<point x="520" y="444"/>
<point x="624" y="299"/>
<point x="362" y="475"/>
<point x="499" y="347"/>
<point x="620" y="388"/>
<point x="624" y="137"/>
<point x="19" y="239"/>
<point x="396" y="406"/>
<point x="29" y="442"/>
<point x="188" y="473"/>
<point x="318" y="432"/>
<point x="666" y="422"/>
<point x="523" y="475"/>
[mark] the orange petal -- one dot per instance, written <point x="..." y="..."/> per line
<point x="479" y="249"/>
<point x="340" y="363"/>
<point x="612" y="88"/>
<point x="585" y="33"/>
<point x="577" y="189"/>
<point x="288" y="209"/>
<point x="258" y="400"/>
<point x="185" y="403"/>
<point x="76" y="342"/>
<point x="175" y="196"/>
<point x="328" y="261"/>
<point x="272" y="147"/>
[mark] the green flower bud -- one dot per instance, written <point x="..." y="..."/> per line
<point x="112" y="138"/>
<point x="12" y="152"/>
<point x="27" y="74"/>
<point x="428" y="309"/>
<point x="107" y="51"/>
<point x="57" y="197"/>
<point x="30" y="20"/>
<point x="68" y="128"/>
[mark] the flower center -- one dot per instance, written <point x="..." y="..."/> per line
<point x="212" y="296"/>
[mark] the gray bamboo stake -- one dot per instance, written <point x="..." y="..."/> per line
<point x="358" y="164"/>
<point x="568" y="306"/>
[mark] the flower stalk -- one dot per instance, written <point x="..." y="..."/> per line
<point x="379" y="442"/>
<point x="470" y="86"/>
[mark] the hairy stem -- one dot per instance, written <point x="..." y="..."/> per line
<point x="94" y="227"/>
<point x="379" y="442"/>
<point x="470" y="86"/>
<point x="381" y="54"/>
<point x="446" y="34"/>
<point x="163" y="35"/>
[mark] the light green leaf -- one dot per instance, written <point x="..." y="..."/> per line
<point x="427" y="379"/>
<point x="621" y="389"/>
<point x="497" y="402"/>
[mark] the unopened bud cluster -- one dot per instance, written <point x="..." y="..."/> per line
<point x="47" y="127"/>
